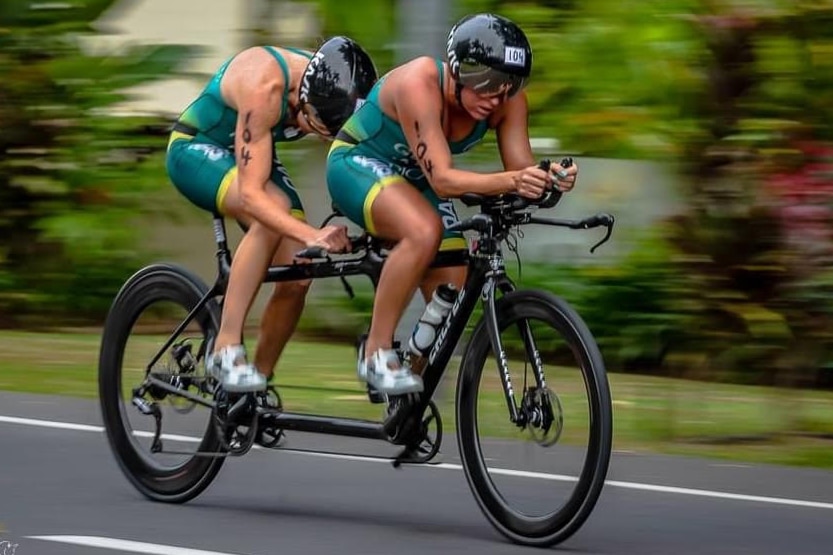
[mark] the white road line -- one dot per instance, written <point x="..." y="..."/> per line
<point x="88" y="428"/>
<point x="721" y="495"/>
<point x="126" y="545"/>
<point x="447" y="466"/>
<point x="613" y="483"/>
<point x="51" y="424"/>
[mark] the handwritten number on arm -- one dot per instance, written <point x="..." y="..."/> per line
<point x="422" y="151"/>
<point x="245" y="152"/>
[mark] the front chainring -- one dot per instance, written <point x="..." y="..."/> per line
<point x="235" y="421"/>
<point x="425" y="437"/>
<point x="268" y="436"/>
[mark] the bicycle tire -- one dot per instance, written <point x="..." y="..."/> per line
<point x="556" y="527"/>
<point x="155" y="283"/>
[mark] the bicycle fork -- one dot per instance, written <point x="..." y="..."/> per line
<point x="496" y="278"/>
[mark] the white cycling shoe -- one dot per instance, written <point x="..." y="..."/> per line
<point x="386" y="373"/>
<point x="236" y="375"/>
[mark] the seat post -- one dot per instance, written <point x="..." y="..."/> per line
<point x="223" y="252"/>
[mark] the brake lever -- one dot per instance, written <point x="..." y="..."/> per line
<point x="551" y="197"/>
<point x="607" y="220"/>
<point x="348" y="288"/>
<point x="565" y="163"/>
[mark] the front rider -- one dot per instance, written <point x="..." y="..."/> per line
<point x="390" y="168"/>
<point x="222" y="157"/>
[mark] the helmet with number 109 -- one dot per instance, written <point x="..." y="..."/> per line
<point x="489" y="54"/>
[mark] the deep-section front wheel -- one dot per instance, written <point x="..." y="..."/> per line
<point x="155" y="397"/>
<point x="538" y="474"/>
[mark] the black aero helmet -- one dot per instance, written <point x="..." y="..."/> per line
<point x="338" y="76"/>
<point x="489" y="53"/>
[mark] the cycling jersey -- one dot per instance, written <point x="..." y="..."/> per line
<point x="200" y="159"/>
<point x="371" y="151"/>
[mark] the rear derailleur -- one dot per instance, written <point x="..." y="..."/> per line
<point x="172" y="382"/>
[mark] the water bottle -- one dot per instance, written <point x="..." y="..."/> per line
<point x="425" y="332"/>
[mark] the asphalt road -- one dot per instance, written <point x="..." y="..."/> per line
<point x="61" y="492"/>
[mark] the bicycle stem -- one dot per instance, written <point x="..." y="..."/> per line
<point x="486" y="275"/>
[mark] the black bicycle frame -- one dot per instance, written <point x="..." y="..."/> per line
<point x="486" y="274"/>
<point x="369" y="264"/>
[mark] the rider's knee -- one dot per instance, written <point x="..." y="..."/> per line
<point x="266" y="236"/>
<point x="427" y="236"/>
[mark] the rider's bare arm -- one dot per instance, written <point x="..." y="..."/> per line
<point x="418" y="109"/>
<point x="512" y="128"/>
<point x="256" y="94"/>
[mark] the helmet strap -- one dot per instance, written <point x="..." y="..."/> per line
<point x="458" y="92"/>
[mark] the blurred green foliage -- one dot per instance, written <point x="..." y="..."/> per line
<point x="72" y="177"/>
<point x="736" y="94"/>
<point x="376" y="32"/>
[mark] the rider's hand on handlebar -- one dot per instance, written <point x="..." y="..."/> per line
<point x="531" y="182"/>
<point x="566" y="183"/>
<point x="333" y="238"/>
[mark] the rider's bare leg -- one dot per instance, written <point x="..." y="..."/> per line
<point x="401" y="214"/>
<point x="438" y="276"/>
<point x="281" y="313"/>
<point x="250" y="261"/>
<point x="435" y="277"/>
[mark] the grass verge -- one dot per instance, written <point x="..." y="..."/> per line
<point x="739" y="423"/>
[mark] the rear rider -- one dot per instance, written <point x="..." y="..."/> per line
<point x="222" y="156"/>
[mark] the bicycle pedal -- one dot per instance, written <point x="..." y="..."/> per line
<point x="414" y="455"/>
<point x="375" y="396"/>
